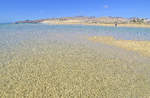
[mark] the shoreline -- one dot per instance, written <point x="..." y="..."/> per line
<point x="88" y="24"/>
<point x="124" y="25"/>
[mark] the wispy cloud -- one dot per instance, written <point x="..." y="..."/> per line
<point x="106" y="6"/>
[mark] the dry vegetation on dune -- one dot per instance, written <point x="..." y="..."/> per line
<point x="69" y="71"/>
<point x="142" y="47"/>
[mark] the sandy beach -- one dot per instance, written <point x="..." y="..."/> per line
<point x="78" y="22"/>
<point x="123" y="25"/>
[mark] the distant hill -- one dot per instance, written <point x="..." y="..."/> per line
<point x="90" y="20"/>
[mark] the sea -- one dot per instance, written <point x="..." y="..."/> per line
<point x="59" y="60"/>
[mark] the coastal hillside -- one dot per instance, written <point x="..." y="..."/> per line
<point x="90" y="20"/>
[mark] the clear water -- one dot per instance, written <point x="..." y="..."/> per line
<point x="23" y="35"/>
<point x="30" y="36"/>
<point x="18" y="32"/>
<point x="56" y="61"/>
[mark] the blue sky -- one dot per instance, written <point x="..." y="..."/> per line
<point x="13" y="10"/>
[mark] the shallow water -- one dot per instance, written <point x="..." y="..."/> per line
<point x="38" y="60"/>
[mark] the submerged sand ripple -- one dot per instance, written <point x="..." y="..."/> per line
<point x="142" y="47"/>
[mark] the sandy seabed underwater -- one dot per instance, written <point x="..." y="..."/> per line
<point x="42" y="61"/>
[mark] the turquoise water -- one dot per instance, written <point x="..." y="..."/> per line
<point x="14" y="35"/>
<point x="28" y="31"/>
